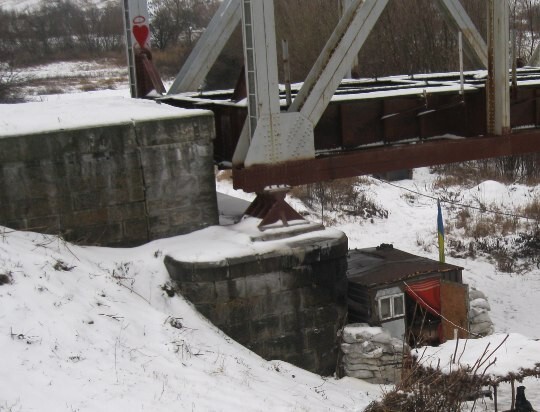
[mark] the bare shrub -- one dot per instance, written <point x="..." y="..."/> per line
<point x="10" y="83"/>
<point x="170" y="60"/>
<point x="342" y="197"/>
<point x="532" y="210"/>
<point x="462" y="219"/>
<point x="429" y="390"/>
<point x="6" y="278"/>
<point x="511" y="169"/>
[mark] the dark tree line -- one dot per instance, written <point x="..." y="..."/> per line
<point x="177" y="22"/>
<point x="410" y="37"/>
<point x="59" y="30"/>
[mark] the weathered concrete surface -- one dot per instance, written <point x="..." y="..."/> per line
<point x="287" y="304"/>
<point x="117" y="185"/>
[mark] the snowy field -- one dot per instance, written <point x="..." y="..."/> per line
<point x="72" y="77"/>
<point x="91" y="329"/>
<point x="23" y="5"/>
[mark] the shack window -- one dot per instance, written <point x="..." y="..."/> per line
<point x="391" y="306"/>
<point x="399" y="306"/>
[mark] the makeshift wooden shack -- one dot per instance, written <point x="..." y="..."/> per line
<point x="416" y="299"/>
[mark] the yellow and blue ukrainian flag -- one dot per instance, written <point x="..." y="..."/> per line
<point x="440" y="232"/>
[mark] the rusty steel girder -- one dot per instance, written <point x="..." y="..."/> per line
<point x="385" y="158"/>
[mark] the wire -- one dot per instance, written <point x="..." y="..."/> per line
<point x="480" y="209"/>
<point x="409" y="289"/>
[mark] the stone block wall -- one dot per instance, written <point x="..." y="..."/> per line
<point x="284" y="305"/>
<point x="115" y="185"/>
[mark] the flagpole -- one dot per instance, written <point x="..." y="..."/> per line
<point x="440" y="232"/>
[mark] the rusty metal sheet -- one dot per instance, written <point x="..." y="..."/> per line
<point x="229" y="121"/>
<point x="476" y="115"/>
<point x="444" y="114"/>
<point x="328" y="131"/>
<point x="400" y="120"/>
<point x="523" y="107"/>
<point x="361" y="122"/>
<point x="372" y="267"/>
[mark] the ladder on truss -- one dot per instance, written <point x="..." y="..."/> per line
<point x="129" y="48"/>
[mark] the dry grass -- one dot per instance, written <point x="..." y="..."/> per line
<point x="344" y="197"/>
<point x="532" y="210"/>
<point x="170" y="61"/>
<point x="524" y="169"/>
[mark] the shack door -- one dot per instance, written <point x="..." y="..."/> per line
<point x="454" y="308"/>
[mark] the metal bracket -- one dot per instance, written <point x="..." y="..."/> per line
<point x="270" y="206"/>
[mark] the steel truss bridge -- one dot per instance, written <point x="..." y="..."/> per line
<point x="330" y="127"/>
<point x="385" y="124"/>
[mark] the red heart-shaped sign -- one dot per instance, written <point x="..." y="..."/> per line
<point x="141" y="34"/>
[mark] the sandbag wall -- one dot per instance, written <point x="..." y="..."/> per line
<point x="371" y="354"/>
<point x="480" y="323"/>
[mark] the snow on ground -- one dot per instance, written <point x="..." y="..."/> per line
<point x="510" y="354"/>
<point x="90" y="329"/>
<point x="39" y="81"/>
<point x="412" y="226"/>
<point x="517" y="352"/>
<point x="95" y="69"/>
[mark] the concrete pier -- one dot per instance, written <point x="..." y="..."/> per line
<point x="283" y="299"/>
<point x="129" y="172"/>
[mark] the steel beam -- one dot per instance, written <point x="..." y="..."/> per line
<point x="337" y="58"/>
<point x="498" y="83"/>
<point x="456" y="16"/>
<point x="343" y="6"/>
<point x="384" y="159"/>
<point x="270" y="136"/>
<point x="208" y="48"/>
<point x="535" y="57"/>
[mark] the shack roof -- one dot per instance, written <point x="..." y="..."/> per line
<point x="385" y="265"/>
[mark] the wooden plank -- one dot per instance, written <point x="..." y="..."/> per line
<point x="454" y="309"/>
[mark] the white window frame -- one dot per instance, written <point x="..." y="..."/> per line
<point x="392" y="307"/>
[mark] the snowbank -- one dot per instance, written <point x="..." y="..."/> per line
<point x="516" y="353"/>
<point x="91" y="329"/>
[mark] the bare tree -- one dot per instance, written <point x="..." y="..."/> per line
<point x="179" y="21"/>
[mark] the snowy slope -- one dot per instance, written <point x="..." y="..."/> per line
<point x="90" y="329"/>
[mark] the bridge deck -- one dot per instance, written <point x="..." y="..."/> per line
<point x="376" y="125"/>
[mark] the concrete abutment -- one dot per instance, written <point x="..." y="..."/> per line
<point x="112" y="185"/>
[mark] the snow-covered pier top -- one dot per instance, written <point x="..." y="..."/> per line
<point x="82" y="113"/>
